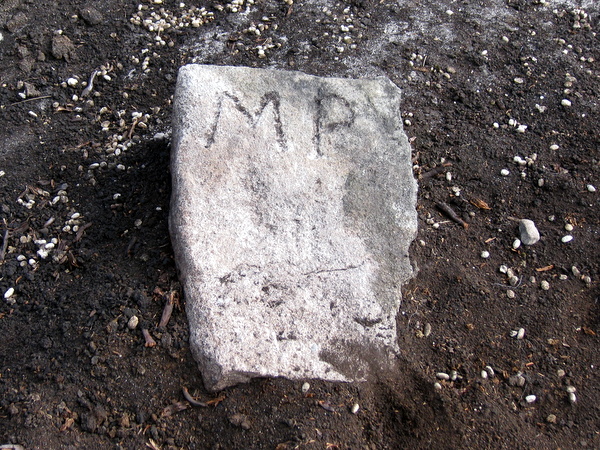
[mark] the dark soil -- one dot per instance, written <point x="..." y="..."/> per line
<point x="74" y="375"/>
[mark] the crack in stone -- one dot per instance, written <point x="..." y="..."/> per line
<point x="333" y="270"/>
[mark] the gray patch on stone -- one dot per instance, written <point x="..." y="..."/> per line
<point x="292" y="211"/>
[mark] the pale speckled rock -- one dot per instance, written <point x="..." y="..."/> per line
<point x="292" y="211"/>
<point x="528" y="231"/>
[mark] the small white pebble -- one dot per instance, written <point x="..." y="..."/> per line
<point x="521" y="333"/>
<point x="571" y="389"/>
<point x="437" y="386"/>
<point x="576" y="272"/>
<point x="516" y="244"/>
<point x="133" y="322"/>
<point x="554" y="147"/>
<point x="561" y="373"/>
<point x="565" y="102"/>
<point x="485" y="254"/>
<point x="563" y="277"/>
<point x="519" y="80"/>
<point x="567" y="238"/>
<point x="72" y="82"/>
<point x="591" y="188"/>
<point x="572" y="397"/>
<point x="510" y="293"/>
<point x="484" y="374"/>
<point x="442" y="376"/>
<point x="354" y="408"/>
<point x="9" y="292"/>
<point x="305" y="388"/>
<point x="568" y="227"/>
<point x="427" y="330"/>
<point x="504" y="172"/>
<point x="490" y="371"/>
<point x="545" y="285"/>
<point x="503" y="269"/>
<point x="530" y="398"/>
<point x="521" y="128"/>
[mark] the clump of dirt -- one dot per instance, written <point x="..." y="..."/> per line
<point x="86" y="262"/>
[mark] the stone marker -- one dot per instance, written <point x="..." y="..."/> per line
<point x="292" y="211"/>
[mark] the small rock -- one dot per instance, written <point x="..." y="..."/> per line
<point x="567" y="238"/>
<point x="305" y="388"/>
<point x="91" y="15"/>
<point x="354" y="408"/>
<point x="31" y="90"/>
<point x="591" y="188"/>
<point x="517" y="380"/>
<point x="427" y="330"/>
<point x="505" y="172"/>
<point x="240" y="420"/>
<point x="62" y="47"/>
<point x="516" y="244"/>
<point x="520" y="333"/>
<point x="545" y="285"/>
<point x="485" y="254"/>
<point x="565" y="102"/>
<point x="551" y="418"/>
<point x="510" y="293"/>
<point x="529" y="232"/>
<point x="133" y="322"/>
<point x="442" y="376"/>
<point x="530" y="398"/>
<point x="16" y="22"/>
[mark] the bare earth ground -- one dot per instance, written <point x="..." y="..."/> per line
<point x="91" y="178"/>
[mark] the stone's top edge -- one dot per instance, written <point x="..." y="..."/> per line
<point x="194" y="68"/>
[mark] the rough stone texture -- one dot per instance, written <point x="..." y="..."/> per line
<point x="292" y="211"/>
<point x="529" y="232"/>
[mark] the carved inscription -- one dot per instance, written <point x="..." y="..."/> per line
<point x="332" y="112"/>
<point x="252" y="118"/>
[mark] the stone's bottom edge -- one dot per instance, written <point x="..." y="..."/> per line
<point x="237" y="378"/>
<point x="365" y="363"/>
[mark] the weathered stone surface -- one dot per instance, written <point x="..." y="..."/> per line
<point x="292" y="211"/>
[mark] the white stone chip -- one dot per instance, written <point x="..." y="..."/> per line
<point x="292" y="211"/>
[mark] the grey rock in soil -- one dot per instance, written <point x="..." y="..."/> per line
<point x="91" y="15"/>
<point x="528" y="231"/>
<point x="292" y="210"/>
<point x="62" y="47"/>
